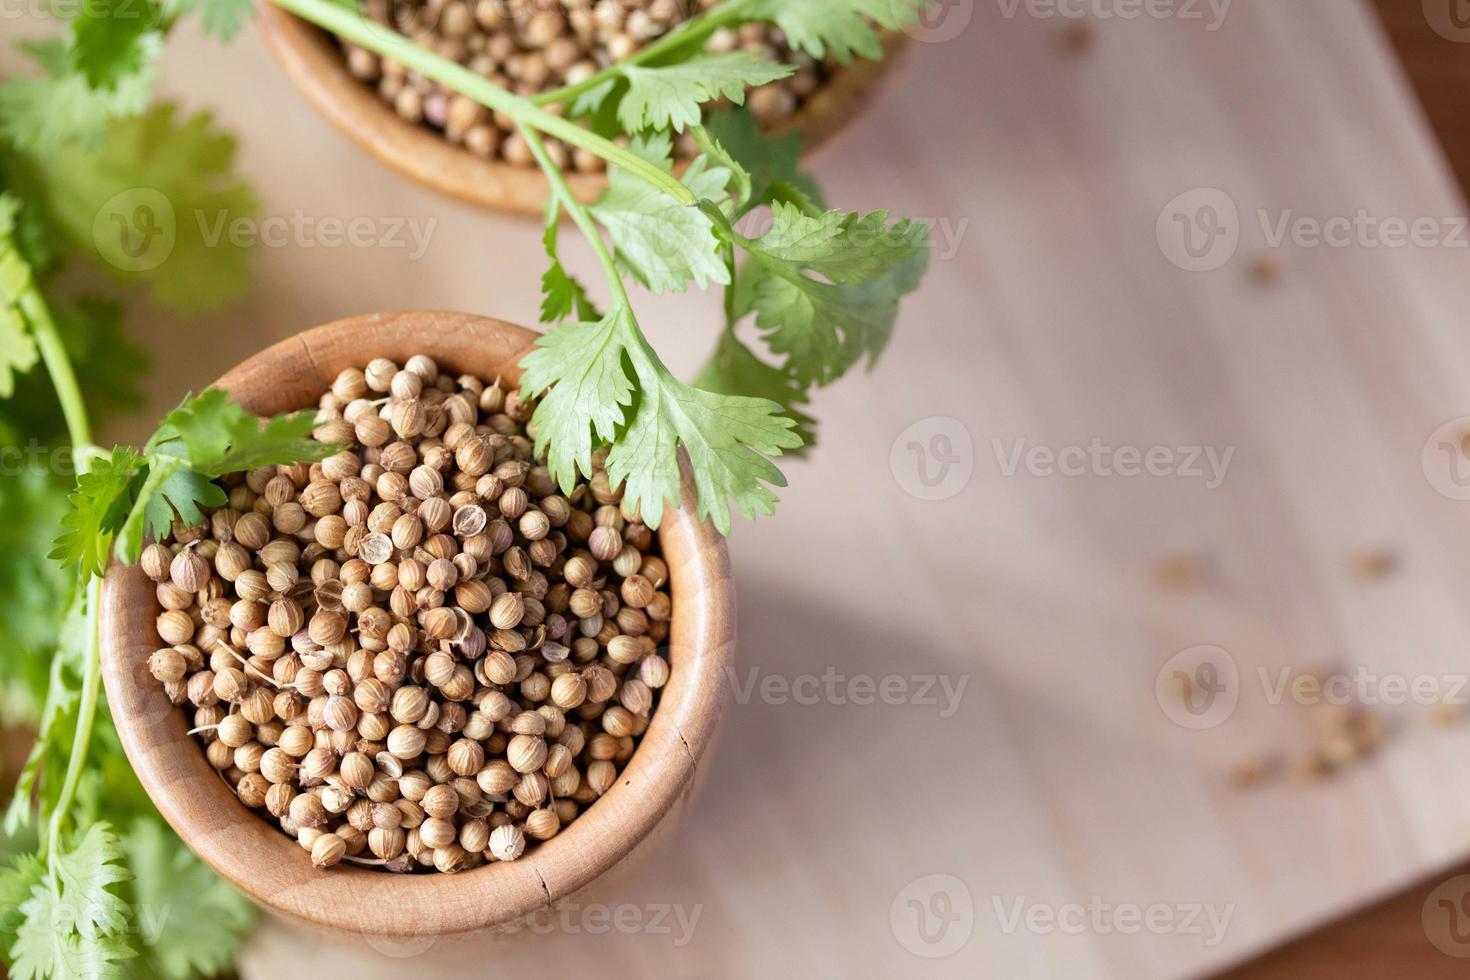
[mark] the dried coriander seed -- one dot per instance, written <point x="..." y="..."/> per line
<point x="414" y="645"/>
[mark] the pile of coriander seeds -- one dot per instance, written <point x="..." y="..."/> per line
<point x="418" y="652"/>
<point x="535" y="46"/>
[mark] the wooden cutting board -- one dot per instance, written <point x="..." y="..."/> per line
<point x="1051" y="154"/>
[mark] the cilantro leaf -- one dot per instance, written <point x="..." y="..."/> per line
<point x="222" y="18"/>
<point x="770" y="160"/>
<point x="563" y="293"/>
<point x="728" y="438"/>
<point x="216" y="436"/>
<point x="663" y="244"/>
<point x="734" y="369"/>
<point x="581" y="364"/>
<point x="71" y="923"/>
<point x="151" y="202"/>
<point x="843" y="27"/>
<point x="170" y="489"/>
<point x="605" y="381"/>
<point x="18" y="352"/>
<point x="38" y="115"/>
<point x="108" y="40"/>
<point x="199" y="917"/>
<point x="825" y="325"/>
<point x="671" y="95"/>
<point x="99" y="506"/>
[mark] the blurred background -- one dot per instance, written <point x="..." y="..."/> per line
<point x="1116" y="628"/>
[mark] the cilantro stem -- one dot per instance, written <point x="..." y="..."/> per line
<point x="86" y="717"/>
<point x="352" y="26"/>
<point x="579" y="214"/>
<point x="79" y="430"/>
<point x="63" y="378"/>
<point x="696" y="28"/>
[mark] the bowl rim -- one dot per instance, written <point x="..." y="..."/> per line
<point x="311" y="60"/>
<point x="272" y="868"/>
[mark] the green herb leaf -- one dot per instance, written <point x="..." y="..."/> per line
<point x="671" y="95"/>
<point x="108" y="40"/>
<point x="663" y="244"/>
<point x="605" y="382"/>
<point x="843" y="27"/>
<point x="563" y="293"/>
<point x="222" y="18"/>
<point x="196" y="918"/>
<point x="99" y="506"/>
<point x="38" y="115"/>
<point x="216" y="436"/>
<point x="769" y="160"/>
<point x="734" y="369"/>
<point x="581" y="364"/>
<point x="153" y="202"/>
<point x="18" y="352"/>
<point x="71" y="921"/>
<point x="824" y="327"/>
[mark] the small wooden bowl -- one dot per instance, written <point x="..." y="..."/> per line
<point x="313" y="60"/>
<point x="363" y="902"/>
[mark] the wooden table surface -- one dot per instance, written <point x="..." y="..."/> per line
<point x="1052" y="819"/>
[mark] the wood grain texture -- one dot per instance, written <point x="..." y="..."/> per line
<point x="1435" y="55"/>
<point x="1050" y="315"/>
<point x="270" y="867"/>
<point x="313" y="61"/>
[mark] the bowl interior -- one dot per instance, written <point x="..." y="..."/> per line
<point x="312" y="60"/>
<point x="270" y="867"/>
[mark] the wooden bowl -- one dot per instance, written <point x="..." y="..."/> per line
<point x="270" y="867"/>
<point x="313" y="60"/>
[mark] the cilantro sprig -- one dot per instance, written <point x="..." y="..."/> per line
<point x="809" y="294"/>
<point x="822" y="287"/>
